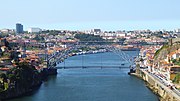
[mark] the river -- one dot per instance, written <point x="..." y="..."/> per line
<point x="93" y="84"/>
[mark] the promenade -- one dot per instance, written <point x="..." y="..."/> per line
<point x="162" y="89"/>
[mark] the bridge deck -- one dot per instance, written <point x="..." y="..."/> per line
<point x="76" y="67"/>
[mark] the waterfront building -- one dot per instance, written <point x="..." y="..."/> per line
<point x="19" y="28"/>
<point x="34" y="30"/>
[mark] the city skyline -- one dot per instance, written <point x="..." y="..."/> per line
<point x="84" y="15"/>
<point x="71" y="27"/>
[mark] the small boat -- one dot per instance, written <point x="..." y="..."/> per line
<point x="122" y="64"/>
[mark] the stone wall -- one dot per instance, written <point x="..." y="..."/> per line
<point x="158" y="88"/>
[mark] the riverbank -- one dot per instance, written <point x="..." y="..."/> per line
<point x="147" y="85"/>
<point x="164" y="92"/>
<point x="17" y="90"/>
<point x="15" y="93"/>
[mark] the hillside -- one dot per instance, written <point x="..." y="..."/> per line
<point x="165" y="50"/>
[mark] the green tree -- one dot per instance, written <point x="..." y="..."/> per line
<point x="38" y="38"/>
<point x="25" y="75"/>
<point x="88" y="37"/>
<point x="12" y="77"/>
<point x="177" y="78"/>
<point x="26" y="37"/>
<point x="4" y="77"/>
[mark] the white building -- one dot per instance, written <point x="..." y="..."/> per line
<point x="5" y="30"/>
<point x="175" y="55"/>
<point x="34" y="30"/>
<point x="121" y="34"/>
<point x="96" y="31"/>
<point x="177" y="30"/>
<point x="129" y="34"/>
<point x="109" y="34"/>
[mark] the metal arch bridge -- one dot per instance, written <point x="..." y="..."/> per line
<point x="59" y="57"/>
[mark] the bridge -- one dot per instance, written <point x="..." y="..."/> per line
<point x="85" y="67"/>
<point x="60" y="56"/>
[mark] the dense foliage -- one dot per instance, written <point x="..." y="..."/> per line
<point x="177" y="78"/>
<point x="39" y="38"/>
<point x="3" y="35"/>
<point x="88" y="37"/>
<point x="24" y="76"/>
<point x="176" y="62"/>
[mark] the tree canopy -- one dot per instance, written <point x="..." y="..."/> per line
<point x="88" y="37"/>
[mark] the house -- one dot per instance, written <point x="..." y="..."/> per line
<point x="175" y="56"/>
<point x="173" y="70"/>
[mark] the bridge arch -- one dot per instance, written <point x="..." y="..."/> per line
<point x="60" y="56"/>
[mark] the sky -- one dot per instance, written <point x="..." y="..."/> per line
<point x="89" y="14"/>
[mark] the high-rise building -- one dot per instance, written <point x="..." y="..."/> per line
<point x="19" y="28"/>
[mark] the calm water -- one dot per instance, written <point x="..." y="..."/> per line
<point x="93" y="84"/>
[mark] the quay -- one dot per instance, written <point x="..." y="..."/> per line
<point x="160" y="70"/>
<point x="157" y="86"/>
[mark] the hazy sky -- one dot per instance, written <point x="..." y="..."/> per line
<point x="87" y="14"/>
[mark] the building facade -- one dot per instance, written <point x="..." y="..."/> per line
<point x="34" y="30"/>
<point x="19" y="28"/>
